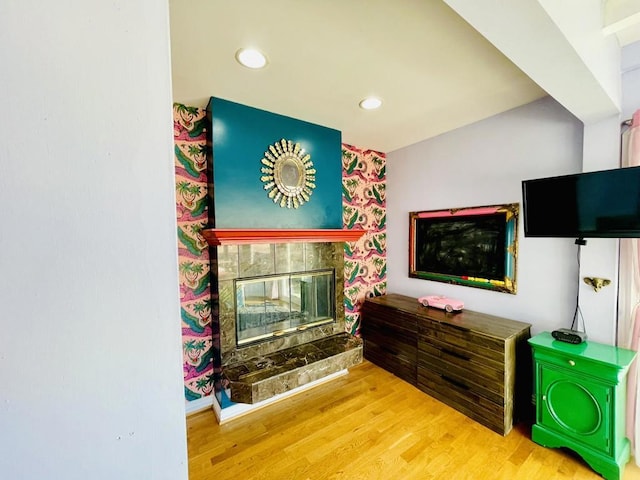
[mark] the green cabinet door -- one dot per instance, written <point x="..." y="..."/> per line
<point x="578" y="408"/>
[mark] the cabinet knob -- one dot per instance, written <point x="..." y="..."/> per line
<point x="572" y="363"/>
<point x="544" y="398"/>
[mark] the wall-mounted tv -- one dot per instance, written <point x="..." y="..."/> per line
<point x="602" y="204"/>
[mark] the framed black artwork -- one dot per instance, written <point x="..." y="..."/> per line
<point x="475" y="247"/>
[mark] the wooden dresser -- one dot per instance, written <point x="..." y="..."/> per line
<point x="476" y="363"/>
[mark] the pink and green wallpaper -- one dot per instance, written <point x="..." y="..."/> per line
<point x="190" y="145"/>
<point x="363" y="207"/>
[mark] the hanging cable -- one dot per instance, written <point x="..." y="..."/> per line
<point x="577" y="314"/>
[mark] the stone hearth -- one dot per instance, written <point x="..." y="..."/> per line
<point x="263" y="377"/>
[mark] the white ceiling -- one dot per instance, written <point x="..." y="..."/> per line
<point x="433" y="71"/>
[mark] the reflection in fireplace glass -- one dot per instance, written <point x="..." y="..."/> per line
<point x="275" y="305"/>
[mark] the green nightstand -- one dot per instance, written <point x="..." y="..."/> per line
<point x="580" y="393"/>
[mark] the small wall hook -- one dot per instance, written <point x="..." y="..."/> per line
<point x="597" y="283"/>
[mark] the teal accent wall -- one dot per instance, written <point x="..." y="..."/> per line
<point x="240" y="136"/>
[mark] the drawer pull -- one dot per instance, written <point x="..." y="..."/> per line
<point x="572" y="363"/>
<point x="454" y="354"/>
<point x="454" y="382"/>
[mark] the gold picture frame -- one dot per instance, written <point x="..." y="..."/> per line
<point x="474" y="247"/>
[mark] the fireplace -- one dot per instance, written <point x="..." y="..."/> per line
<point x="281" y="317"/>
<point x="254" y="237"/>
<point x="260" y="290"/>
<point x="276" y="305"/>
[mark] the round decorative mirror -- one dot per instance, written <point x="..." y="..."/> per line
<point x="288" y="174"/>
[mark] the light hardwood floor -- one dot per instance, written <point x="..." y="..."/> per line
<point x="369" y="425"/>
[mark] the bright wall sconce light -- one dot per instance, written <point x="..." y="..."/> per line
<point x="370" y="103"/>
<point x="251" y="58"/>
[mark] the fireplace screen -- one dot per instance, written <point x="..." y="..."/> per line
<point x="270" y="306"/>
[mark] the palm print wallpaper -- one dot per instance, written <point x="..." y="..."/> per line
<point x="364" y="207"/>
<point x="190" y="145"/>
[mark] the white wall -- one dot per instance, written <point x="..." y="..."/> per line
<point x="484" y="164"/>
<point x="90" y="362"/>
<point x="630" y="80"/>
<point x="565" y="54"/>
<point x="600" y="53"/>
<point x="599" y="257"/>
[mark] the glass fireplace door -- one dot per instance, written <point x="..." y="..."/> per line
<point x="275" y="305"/>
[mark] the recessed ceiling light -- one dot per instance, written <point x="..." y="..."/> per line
<point x="251" y="58"/>
<point x="370" y="103"/>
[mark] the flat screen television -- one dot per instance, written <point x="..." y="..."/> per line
<point x="602" y="204"/>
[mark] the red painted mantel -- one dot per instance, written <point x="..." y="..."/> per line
<point x="240" y="236"/>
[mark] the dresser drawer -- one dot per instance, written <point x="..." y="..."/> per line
<point x="460" y="339"/>
<point x="576" y="363"/>
<point x="395" y="320"/>
<point x="459" y="395"/>
<point x="487" y="384"/>
<point x="401" y="365"/>
<point x="376" y="328"/>
<point x="393" y="348"/>
<point x="436" y="352"/>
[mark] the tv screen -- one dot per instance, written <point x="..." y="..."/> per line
<point x="586" y="205"/>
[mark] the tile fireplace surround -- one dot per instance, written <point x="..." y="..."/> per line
<point x="258" y="371"/>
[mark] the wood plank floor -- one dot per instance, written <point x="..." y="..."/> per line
<point x="369" y="425"/>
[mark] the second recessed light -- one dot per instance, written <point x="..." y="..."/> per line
<point x="251" y="58"/>
<point x="370" y="103"/>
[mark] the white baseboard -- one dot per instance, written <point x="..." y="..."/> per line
<point x="200" y="404"/>
<point x="239" y="409"/>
